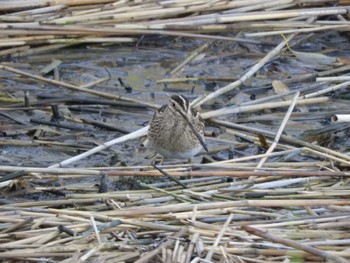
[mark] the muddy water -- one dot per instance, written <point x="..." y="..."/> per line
<point x="134" y="74"/>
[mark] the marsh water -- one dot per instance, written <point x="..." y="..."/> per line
<point x="141" y="72"/>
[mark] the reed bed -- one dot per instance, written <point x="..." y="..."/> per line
<point x="37" y="26"/>
<point x="274" y="186"/>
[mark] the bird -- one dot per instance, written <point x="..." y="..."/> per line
<point x="176" y="130"/>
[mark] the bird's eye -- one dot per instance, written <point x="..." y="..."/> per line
<point x="173" y="104"/>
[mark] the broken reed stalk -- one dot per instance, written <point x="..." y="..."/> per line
<point x="130" y="136"/>
<point x="116" y="172"/>
<point x="323" y="254"/>
<point x="288" y="139"/>
<point x="258" y="156"/>
<point x="76" y="88"/>
<point x="9" y="5"/>
<point x="219" y="237"/>
<point x="291" y="31"/>
<point x="280" y="130"/>
<point x="249" y="74"/>
<point x="225" y="204"/>
<point x="327" y="90"/>
<point x="337" y="79"/>
<point x="340" y="118"/>
<point x="110" y="31"/>
<point x="326" y="155"/>
<point x="188" y="79"/>
<point x="148" y="256"/>
<point x="280" y="14"/>
<point x="251" y="108"/>
<point x="320" y="152"/>
<point x="190" y="58"/>
<point x="71" y="41"/>
<point x="177" y="197"/>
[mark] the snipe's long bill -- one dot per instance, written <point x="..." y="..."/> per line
<point x="199" y="137"/>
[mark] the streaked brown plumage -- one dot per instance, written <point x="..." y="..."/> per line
<point x="171" y="132"/>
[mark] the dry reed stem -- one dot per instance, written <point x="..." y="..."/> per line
<point x="191" y="247"/>
<point x="250" y="108"/>
<point x="247" y="75"/>
<point x="280" y="130"/>
<point x="339" y="78"/>
<point x="340" y="118"/>
<point x="303" y="30"/>
<point x="192" y="56"/>
<point x="327" y="90"/>
<point x="243" y="203"/>
<point x="239" y="174"/>
<point x="76" y="88"/>
<point x="325" y="255"/>
<point x="150" y="255"/>
<point x="285" y="138"/>
<point x="217" y="240"/>
<point x="182" y="199"/>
